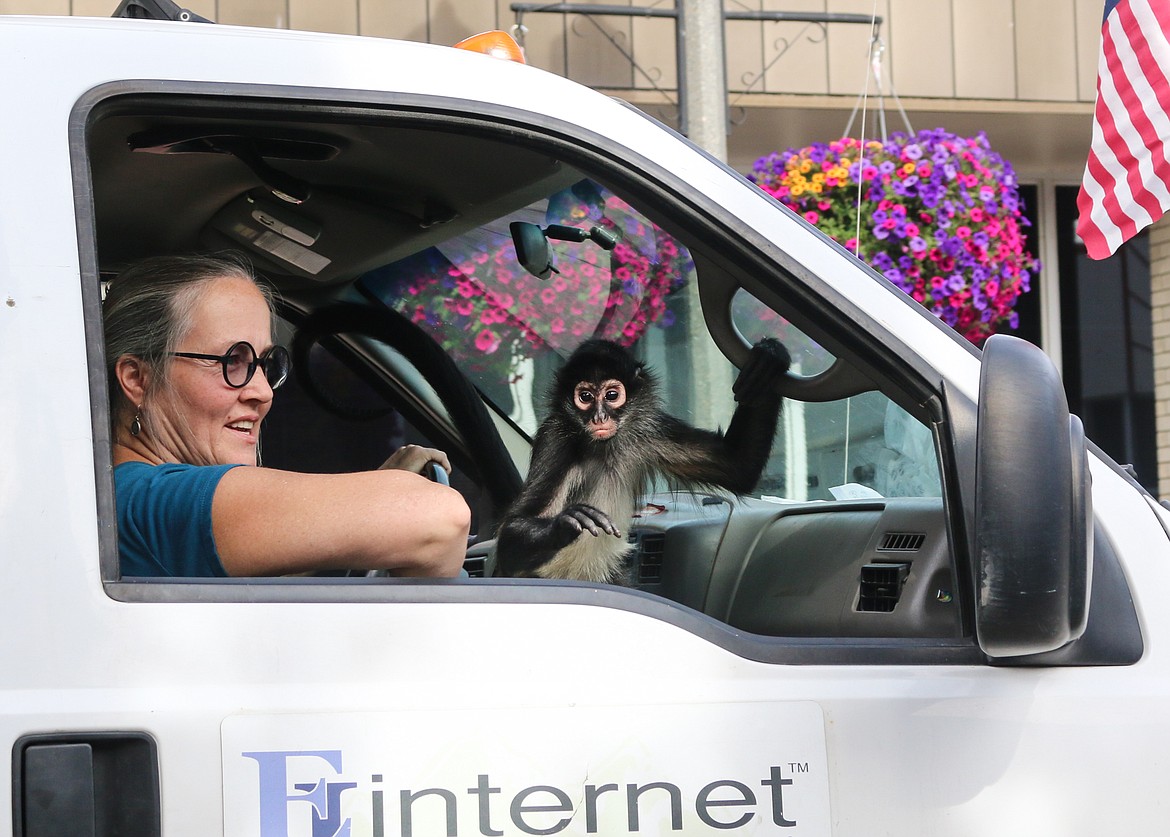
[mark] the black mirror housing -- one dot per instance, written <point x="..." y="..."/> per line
<point x="1033" y="546"/>
<point x="532" y="249"/>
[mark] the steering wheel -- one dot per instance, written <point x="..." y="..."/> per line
<point x="437" y="473"/>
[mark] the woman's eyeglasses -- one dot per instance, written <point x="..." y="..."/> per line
<point x="240" y="361"/>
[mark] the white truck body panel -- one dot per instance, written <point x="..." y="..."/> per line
<point x="434" y="694"/>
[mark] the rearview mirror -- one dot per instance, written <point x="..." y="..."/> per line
<point x="532" y="249"/>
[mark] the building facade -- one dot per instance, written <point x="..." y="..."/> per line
<point x="1022" y="71"/>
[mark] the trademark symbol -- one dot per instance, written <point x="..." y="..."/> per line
<point x="798" y="767"/>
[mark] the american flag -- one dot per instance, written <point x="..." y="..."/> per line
<point x="1127" y="178"/>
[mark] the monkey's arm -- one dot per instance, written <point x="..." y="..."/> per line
<point x="526" y="543"/>
<point x="526" y="539"/>
<point x="734" y="459"/>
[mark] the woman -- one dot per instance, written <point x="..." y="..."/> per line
<point x="191" y="373"/>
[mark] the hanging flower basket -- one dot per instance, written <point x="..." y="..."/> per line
<point x="941" y="217"/>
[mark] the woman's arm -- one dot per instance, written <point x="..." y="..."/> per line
<point x="268" y="522"/>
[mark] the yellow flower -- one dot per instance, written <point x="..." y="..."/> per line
<point x="908" y="168"/>
<point x="819" y="177"/>
<point x="797" y="190"/>
<point x="805" y="166"/>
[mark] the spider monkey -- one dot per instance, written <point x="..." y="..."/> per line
<point x="605" y="436"/>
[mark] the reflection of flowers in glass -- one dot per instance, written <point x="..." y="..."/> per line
<point x="487" y="312"/>
<point x="941" y="218"/>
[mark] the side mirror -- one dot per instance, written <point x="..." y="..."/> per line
<point x="1033" y="547"/>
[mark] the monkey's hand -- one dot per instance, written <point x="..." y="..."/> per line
<point x="567" y="526"/>
<point x="766" y="365"/>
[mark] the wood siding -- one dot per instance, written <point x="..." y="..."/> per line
<point x="1023" y="50"/>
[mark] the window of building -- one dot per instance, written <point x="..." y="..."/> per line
<point x="1107" y="338"/>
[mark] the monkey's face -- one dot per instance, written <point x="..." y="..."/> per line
<point x="599" y="406"/>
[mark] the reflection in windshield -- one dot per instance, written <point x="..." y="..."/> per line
<point x="498" y="321"/>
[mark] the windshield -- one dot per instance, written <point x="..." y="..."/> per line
<point x="629" y="280"/>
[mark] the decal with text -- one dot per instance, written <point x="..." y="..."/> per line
<point x="738" y="769"/>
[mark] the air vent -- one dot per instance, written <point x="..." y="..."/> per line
<point x="650" y="550"/>
<point x="881" y="587"/>
<point x="901" y="542"/>
<point x="476" y="566"/>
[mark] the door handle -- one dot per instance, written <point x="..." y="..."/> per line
<point x="86" y="785"/>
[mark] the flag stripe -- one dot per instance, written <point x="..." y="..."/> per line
<point x="1145" y="81"/>
<point x="1125" y="187"/>
<point x="1143" y="153"/>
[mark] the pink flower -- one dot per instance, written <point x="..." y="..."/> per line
<point x="487" y="341"/>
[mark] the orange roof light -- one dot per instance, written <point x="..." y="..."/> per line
<point x="496" y="43"/>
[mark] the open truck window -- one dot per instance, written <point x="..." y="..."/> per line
<point x="407" y="292"/>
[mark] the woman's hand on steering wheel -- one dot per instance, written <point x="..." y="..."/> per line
<point x="430" y="462"/>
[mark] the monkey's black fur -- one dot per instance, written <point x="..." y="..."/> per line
<point x="582" y="483"/>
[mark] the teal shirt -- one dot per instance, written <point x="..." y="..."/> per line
<point x="164" y="519"/>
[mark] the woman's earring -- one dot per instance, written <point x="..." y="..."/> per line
<point x="136" y="425"/>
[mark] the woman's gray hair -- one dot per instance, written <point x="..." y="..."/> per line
<point x="148" y="309"/>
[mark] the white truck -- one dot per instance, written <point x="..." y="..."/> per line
<point x="937" y="615"/>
